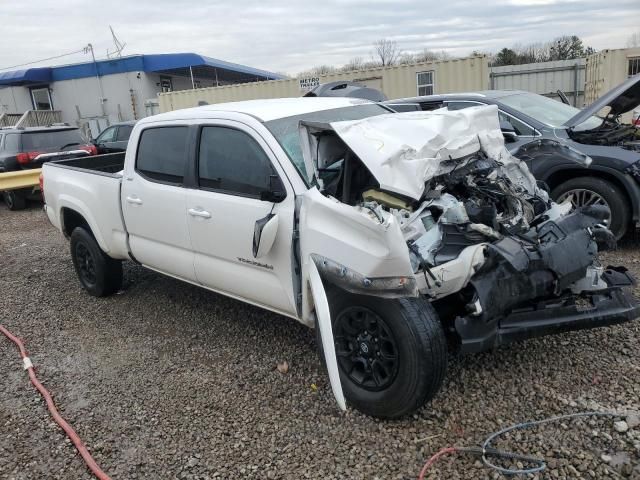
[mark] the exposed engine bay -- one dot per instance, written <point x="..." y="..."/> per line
<point x="483" y="238"/>
<point x="611" y="134"/>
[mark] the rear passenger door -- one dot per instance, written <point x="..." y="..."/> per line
<point x="234" y="166"/>
<point x="154" y="200"/>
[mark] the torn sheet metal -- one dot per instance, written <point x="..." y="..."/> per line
<point x="403" y="151"/>
<point x="326" y="333"/>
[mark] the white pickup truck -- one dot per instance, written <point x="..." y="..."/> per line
<point x="400" y="235"/>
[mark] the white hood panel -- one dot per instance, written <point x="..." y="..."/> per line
<point x="404" y="150"/>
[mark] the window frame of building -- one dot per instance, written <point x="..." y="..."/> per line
<point x="633" y="66"/>
<point x="33" y="91"/>
<point x="166" y="84"/>
<point x="426" y="85"/>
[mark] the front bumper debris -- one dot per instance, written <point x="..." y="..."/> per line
<point x="602" y="308"/>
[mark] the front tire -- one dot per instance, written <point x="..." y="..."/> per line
<point x="593" y="191"/>
<point x="99" y="274"/>
<point x="15" y="200"/>
<point x="392" y="353"/>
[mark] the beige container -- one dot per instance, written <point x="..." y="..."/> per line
<point x="447" y="76"/>
<point x="607" y="69"/>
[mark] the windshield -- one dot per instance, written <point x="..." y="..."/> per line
<point x="547" y="110"/>
<point x="286" y="129"/>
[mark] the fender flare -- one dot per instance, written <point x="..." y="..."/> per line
<point x="71" y="203"/>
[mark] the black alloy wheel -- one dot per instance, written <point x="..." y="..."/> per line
<point x="366" y="350"/>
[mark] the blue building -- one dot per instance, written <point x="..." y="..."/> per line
<point x="99" y="93"/>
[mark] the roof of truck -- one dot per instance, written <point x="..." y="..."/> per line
<point x="264" y="110"/>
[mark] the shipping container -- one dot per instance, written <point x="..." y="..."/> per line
<point x="444" y="76"/>
<point x="544" y="78"/>
<point x="609" y="68"/>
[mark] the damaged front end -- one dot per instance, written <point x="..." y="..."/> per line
<point x="432" y="204"/>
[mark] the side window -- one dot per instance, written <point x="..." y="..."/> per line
<point x="428" y="106"/>
<point x="162" y="153"/>
<point x="460" y="105"/>
<point x="12" y="143"/>
<point x="231" y="161"/>
<point x="124" y="132"/>
<point x="520" y="127"/>
<point x="107" y="136"/>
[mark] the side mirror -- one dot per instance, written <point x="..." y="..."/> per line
<point x="264" y="234"/>
<point x="276" y="192"/>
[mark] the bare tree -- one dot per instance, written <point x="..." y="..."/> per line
<point x="406" y="59"/>
<point x="386" y="51"/>
<point x="356" y="63"/>
<point x="634" y="40"/>
<point x="431" y="56"/>
<point x="317" y="70"/>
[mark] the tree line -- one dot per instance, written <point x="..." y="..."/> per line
<point x="387" y="52"/>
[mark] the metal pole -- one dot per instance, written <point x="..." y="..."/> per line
<point x="575" y="85"/>
<point x="216" y="70"/>
<point x="95" y="64"/>
<point x="193" y="85"/>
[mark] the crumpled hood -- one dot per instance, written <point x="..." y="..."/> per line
<point x="621" y="99"/>
<point x="404" y="150"/>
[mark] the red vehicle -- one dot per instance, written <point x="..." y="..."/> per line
<point x="27" y="148"/>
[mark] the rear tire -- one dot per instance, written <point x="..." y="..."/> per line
<point x="607" y="191"/>
<point x="99" y="274"/>
<point x="14" y="199"/>
<point x="406" y="352"/>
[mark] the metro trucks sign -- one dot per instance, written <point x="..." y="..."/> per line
<point x="308" y="83"/>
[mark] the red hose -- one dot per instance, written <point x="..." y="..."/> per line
<point x="433" y="459"/>
<point x="71" y="433"/>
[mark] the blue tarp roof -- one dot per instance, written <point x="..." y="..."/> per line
<point x="139" y="63"/>
<point x="30" y="75"/>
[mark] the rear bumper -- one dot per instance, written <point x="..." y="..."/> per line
<point x="607" y="307"/>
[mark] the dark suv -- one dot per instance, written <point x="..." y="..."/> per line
<point x="553" y="138"/>
<point x="114" y="138"/>
<point x="27" y="148"/>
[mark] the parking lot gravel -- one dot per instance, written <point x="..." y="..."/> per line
<point x="167" y="380"/>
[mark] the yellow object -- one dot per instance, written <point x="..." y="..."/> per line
<point x="385" y="199"/>
<point x="20" y="179"/>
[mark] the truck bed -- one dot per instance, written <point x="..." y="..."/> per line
<point x="88" y="187"/>
<point x="107" y="164"/>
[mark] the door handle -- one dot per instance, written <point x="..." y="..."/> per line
<point x="135" y="200"/>
<point x="197" y="212"/>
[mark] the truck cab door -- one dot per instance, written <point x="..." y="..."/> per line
<point x="154" y="200"/>
<point x="242" y="199"/>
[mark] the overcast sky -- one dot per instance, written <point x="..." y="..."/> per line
<point x="290" y="36"/>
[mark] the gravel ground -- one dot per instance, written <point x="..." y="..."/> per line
<point x="167" y="380"/>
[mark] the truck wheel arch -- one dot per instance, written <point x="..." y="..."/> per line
<point x="71" y="218"/>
